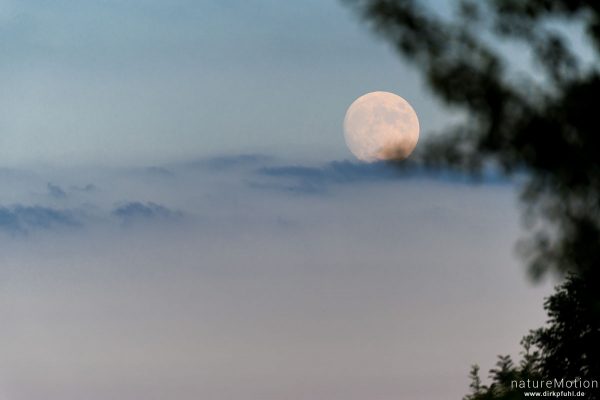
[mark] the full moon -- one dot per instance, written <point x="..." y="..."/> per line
<point x="381" y="126"/>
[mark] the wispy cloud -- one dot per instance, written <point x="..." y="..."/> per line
<point x="56" y="191"/>
<point x="22" y="219"/>
<point x="136" y="211"/>
<point x="339" y="171"/>
<point x="316" y="180"/>
<point x="230" y="161"/>
<point x="217" y="188"/>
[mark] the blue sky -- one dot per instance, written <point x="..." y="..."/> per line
<point x="180" y="217"/>
<point x="152" y="81"/>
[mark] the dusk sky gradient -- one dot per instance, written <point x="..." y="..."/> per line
<point x="181" y="218"/>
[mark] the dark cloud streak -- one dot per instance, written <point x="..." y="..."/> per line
<point x="56" y="191"/>
<point x="317" y="180"/>
<point x="136" y="211"/>
<point x="21" y="219"/>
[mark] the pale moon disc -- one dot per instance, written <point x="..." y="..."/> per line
<point x="381" y="126"/>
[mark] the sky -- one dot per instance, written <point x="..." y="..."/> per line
<point x="180" y="217"/>
<point x="122" y="82"/>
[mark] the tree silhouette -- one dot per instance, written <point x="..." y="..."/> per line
<point x="566" y="348"/>
<point x="543" y="123"/>
<point x="540" y="120"/>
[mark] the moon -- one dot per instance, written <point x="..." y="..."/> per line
<point x="381" y="126"/>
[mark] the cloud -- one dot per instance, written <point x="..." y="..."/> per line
<point x="300" y="187"/>
<point x="339" y="171"/>
<point x="227" y="162"/>
<point x="214" y="188"/>
<point x="316" y="180"/>
<point x="135" y="211"/>
<point x="23" y="219"/>
<point x="56" y="191"/>
<point x="90" y="187"/>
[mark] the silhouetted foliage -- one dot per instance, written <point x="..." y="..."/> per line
<point x="567" y="348"/>
<point x="543" y="123"/>
<point x="540" y="120"/>
<point x="570" y="345"/>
